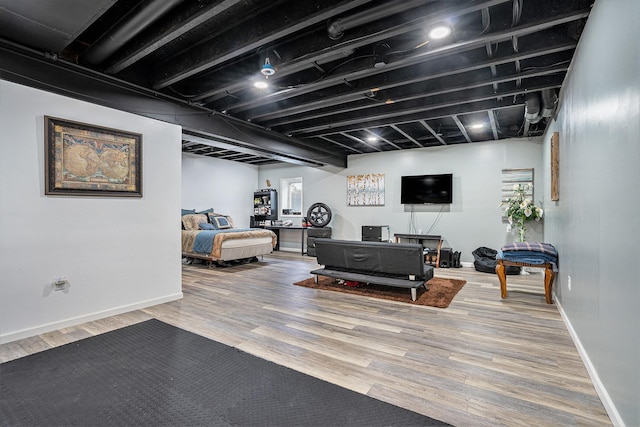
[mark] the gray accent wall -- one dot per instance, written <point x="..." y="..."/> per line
<point x="596" y="222"/>
<point x="471" y="221"/>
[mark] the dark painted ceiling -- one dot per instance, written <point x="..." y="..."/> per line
<point x="349" y="77"/>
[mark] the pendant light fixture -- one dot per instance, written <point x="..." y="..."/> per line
<point x="267" y="69"/>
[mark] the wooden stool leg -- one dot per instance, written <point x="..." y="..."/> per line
<point x="500" y="271"/>
<point x="548" y="282"/>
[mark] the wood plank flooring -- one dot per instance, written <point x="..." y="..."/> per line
<point x="483" y="361"/>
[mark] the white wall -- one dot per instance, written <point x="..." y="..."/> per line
<point x="595" y="224"/>
<point x="223" y="185"/>
<point x="118" y="254"/>
<point x="473" y="220"/>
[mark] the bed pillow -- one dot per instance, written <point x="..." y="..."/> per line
<point x="216" y="214"/>
<point x="206" y="226"/>
<point x="219" y="222"/>
<point x="188" y="211"/>
<point x="206" y="211"/>
<point x="191" y="221"/>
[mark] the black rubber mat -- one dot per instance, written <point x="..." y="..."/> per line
<point x="154" y="374"/>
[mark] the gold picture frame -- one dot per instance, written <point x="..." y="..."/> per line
<point x="88" y="160"/>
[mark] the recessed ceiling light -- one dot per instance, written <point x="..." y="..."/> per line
<point x="261" y="84"/>
<point x="439" y="32"/>
<point x="477" y="126"/>
<point x="372" y="138"/>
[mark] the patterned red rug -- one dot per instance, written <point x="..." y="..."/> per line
<point x="440" y="294"/>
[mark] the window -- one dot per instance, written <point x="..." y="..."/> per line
<point x="291" y="196"/>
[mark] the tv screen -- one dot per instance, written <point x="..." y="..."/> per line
<point x="421" y="189"/>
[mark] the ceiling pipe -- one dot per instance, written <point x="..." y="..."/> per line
<point x="532" y="110"/>
<point x="549" y="101"/>
<point x="125" y="30"/>
<point x="538" y="105"/>
<point x="337" y="27"/>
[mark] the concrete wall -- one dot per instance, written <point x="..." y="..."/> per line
<point x="595" y="224"/>
<point x="118" y="254"/>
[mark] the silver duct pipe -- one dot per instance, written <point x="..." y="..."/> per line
<point x="337" y="28"/>
<point x="532" y="110"/>
<point x="127" y="29"/>
<point x="549" y="101"/>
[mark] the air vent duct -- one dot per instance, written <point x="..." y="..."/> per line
<point x="549" y="102"/>
<point x="148" y="12"/>
<point x="532" y="112"/>
<point x="337" y="27"/>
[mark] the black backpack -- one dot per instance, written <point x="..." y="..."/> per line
<point x="485" y="261"/>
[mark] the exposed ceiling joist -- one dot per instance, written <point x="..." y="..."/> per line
<point x="421" y="55"/>
<point x="283" y="21"/>
<point x="339" y="71"/>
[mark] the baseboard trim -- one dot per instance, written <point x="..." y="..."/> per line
<point x="609" y="406"/>
<point x="54" y="326"/>
<point x="289" y="249"/>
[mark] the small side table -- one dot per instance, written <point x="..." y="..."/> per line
<point x="420" y="238"/>
<point x="548" y="276"/>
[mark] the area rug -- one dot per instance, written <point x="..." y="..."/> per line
<point x="440" y="294"/>
<point x="154" y="374"/>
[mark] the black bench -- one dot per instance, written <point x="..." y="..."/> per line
<point x="392" y="264"/>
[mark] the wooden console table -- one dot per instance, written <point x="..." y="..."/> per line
<point x="420" y="238"/>
<point x="548" y="276"/>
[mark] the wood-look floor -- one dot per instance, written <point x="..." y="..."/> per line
<point x="482" y="361"/>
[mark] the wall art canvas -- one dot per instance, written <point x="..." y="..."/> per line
<point x="511" y="177"/>
<point x="555" y="166"/>
<point x="82" y="159"/>
<point x="365" y="190"/>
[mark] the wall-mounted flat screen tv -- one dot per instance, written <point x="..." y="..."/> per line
<point x="422" y="189"/>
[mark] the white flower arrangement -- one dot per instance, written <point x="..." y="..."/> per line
<point x="520" y="210"/>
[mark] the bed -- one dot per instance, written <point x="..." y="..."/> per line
<point x="213" y="237"/>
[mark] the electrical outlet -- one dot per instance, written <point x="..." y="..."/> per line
<point x="569" y="282"/>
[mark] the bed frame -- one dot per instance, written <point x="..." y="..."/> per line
<point x="250" y="250"/>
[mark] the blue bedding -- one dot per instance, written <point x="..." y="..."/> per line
<point x="530" y="253"/>
<point x="203" y="243"/>
<point x="545" y="248"/>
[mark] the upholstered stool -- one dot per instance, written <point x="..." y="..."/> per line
<point x="548" y="276"/>
<point x="526" y="254"/>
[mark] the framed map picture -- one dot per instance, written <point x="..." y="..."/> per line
<point x="82" y="159"/>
